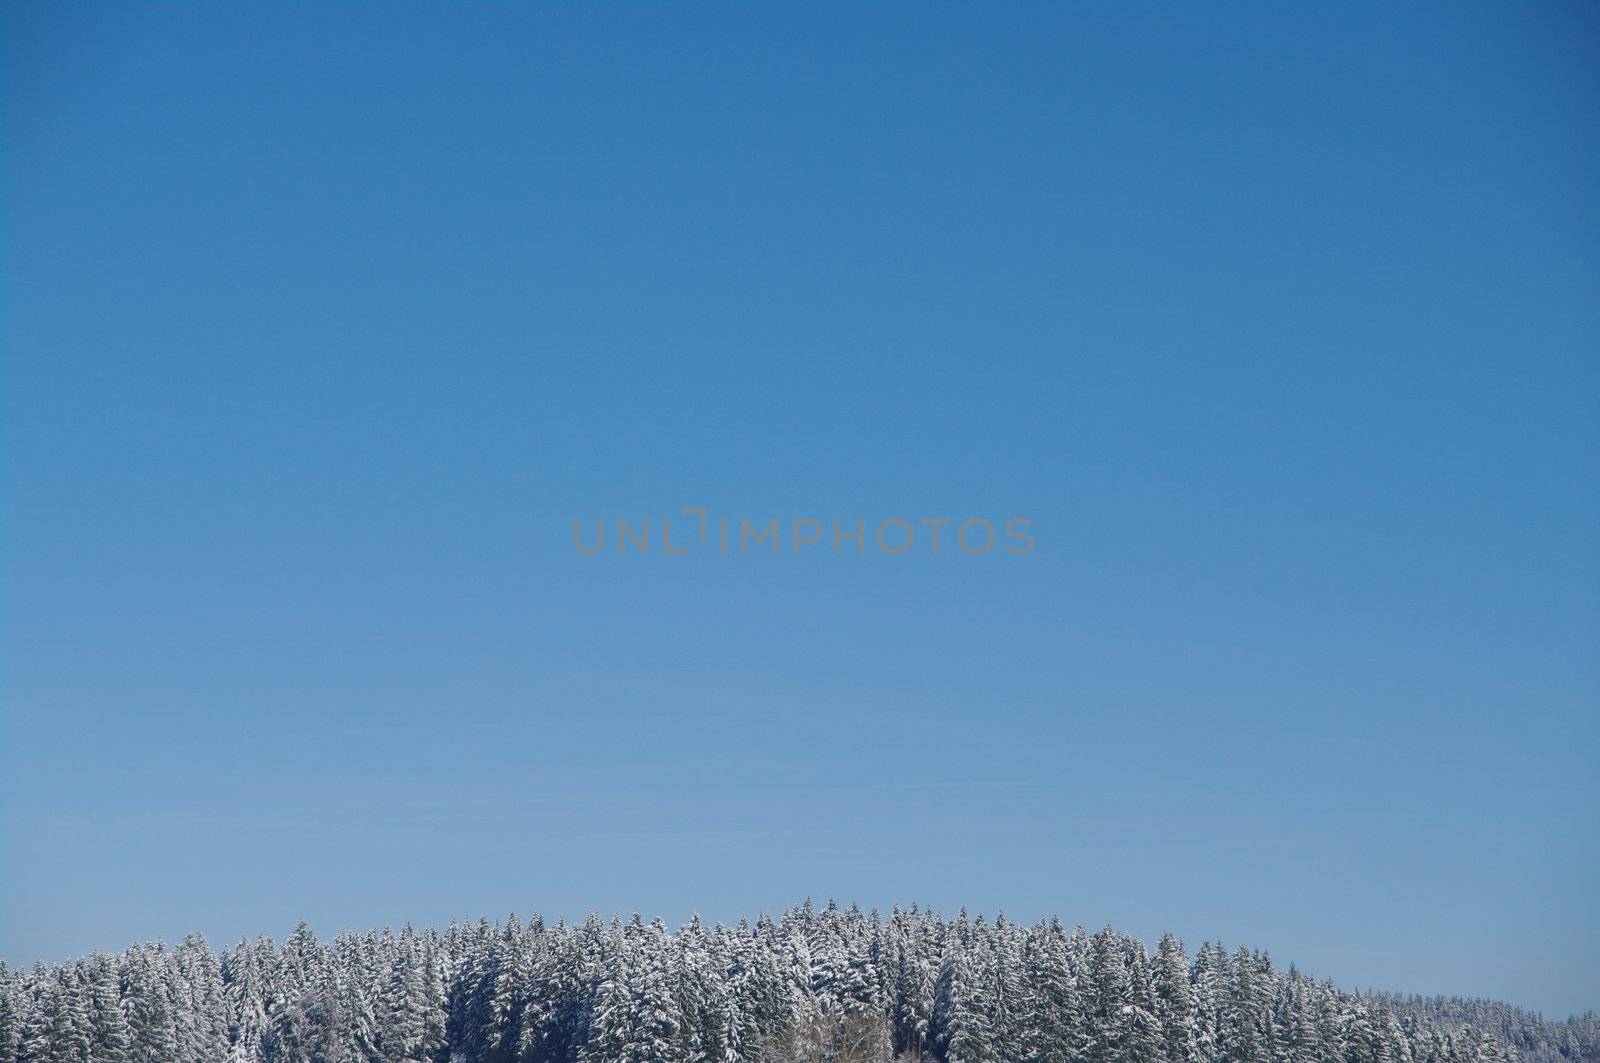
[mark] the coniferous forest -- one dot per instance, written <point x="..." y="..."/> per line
<point x="828" y="984"/>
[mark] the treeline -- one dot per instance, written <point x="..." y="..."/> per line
<point x="831" y="985"/>
<point x="1535" y="1040"/>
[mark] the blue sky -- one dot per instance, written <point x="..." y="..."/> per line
<point x="322" y="325"/>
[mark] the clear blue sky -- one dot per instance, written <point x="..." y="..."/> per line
<point x="322" y="325"/>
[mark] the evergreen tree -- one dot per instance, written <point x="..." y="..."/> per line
<point x="1054" y="1028"/>
<point x="1174" y="1002"/>
<point x="657" y="1018"/>
<point x="110" y="1037"/>
<point x="404" y="1006"/>
<point x="1141" y="1030"/>
<point x="960" y="1029"/>
<point x="246" y="1001"/>
<point x="913" y="994"/>
<point x="9" y="1019"/>
<point x="1243" y="1036"/>
<point x="1107" y="1024"/>
<point x="151" y="1011"/>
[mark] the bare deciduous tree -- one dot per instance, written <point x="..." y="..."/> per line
<point x="832" y="1037"/>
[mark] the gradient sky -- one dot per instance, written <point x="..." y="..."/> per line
<point x="322" y="325"/>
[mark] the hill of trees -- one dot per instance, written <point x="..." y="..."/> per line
<point x="815" y="985"/>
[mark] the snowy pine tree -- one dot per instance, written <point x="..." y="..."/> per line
<point x="1174" y="1002"/>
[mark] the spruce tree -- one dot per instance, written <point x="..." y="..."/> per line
<point x="9" y="1019"/>
<point x="1107" y="1023"/>
<point x="150" y="1007"/>
<point x="111" y="1039"/>
<point x="960" y="1029"/>
<point x="1174" y="1002"/>
<point x="1142" y="1035"/>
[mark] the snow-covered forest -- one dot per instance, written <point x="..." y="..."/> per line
<point x="827" y="984"/>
